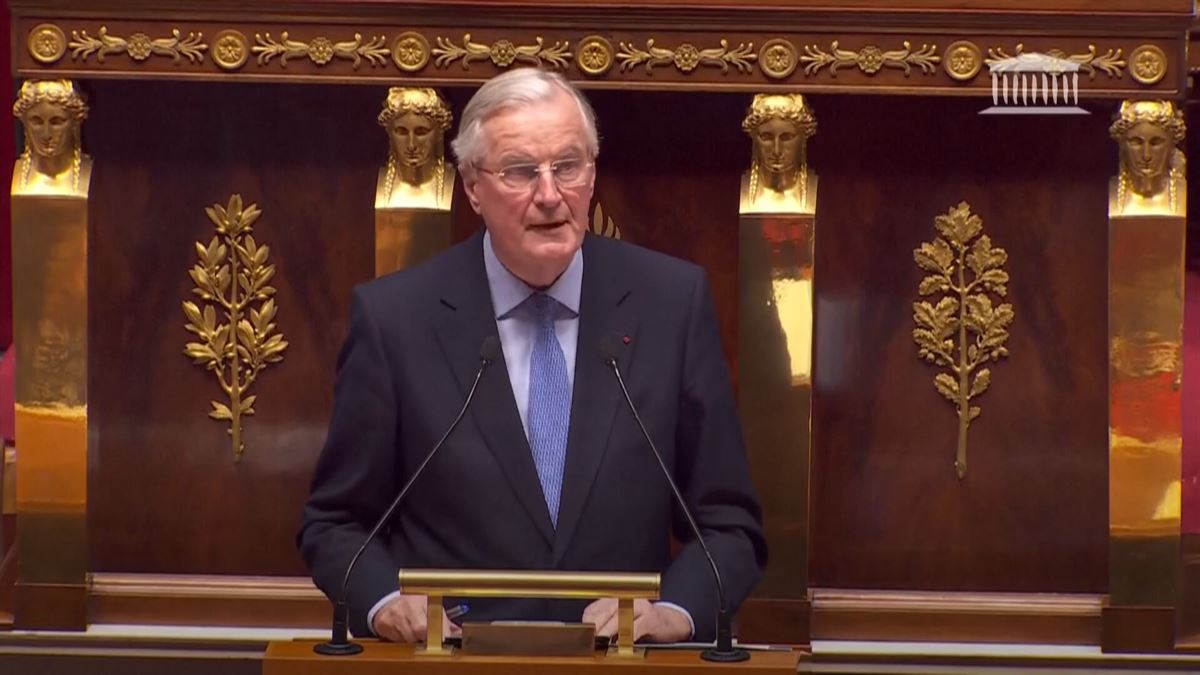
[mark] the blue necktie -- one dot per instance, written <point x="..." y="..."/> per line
<point x="549" y="401"/>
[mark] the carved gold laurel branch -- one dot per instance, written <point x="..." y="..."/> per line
<point x="870" y="59"/>
<point x="237" y="350"/>
<point x="963" y="331"/>
<point x="321" y="50"/>
<point x="687" y="57"/>
<point x="139" y="46"/>
<point x="1110" y="62"/>
<point x="602" y="225"/>
<point x="503" y="53"/>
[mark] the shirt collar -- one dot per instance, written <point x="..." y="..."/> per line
<point x="508" y="291"/>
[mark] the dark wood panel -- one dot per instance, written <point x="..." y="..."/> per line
<point x="888" y="511"/>
<point x="164" y="492"/>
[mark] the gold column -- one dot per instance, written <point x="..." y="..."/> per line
<point x="413" y="195"/>
<point x="775" y="329"/>
<point x="1147" y="219"/>
<point x="50" y="288"/>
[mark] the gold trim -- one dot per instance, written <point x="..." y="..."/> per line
<point x="1109" y="62"/>
<point x="778" y="58"/>
<point x="237" y="351"/>
<point x="321" y="50"/>
<point x="963" y="60"/>
<point x="503" y="53"/>
<point x="139" y="46"/>
<point x="410" y="51"/>
<point x="1147" y="64"/>
<point x="231" y="48"/>
<point x="687" y="57"/>
<point x="965" y="310"/>
<point x="47" y="43"/>
<point x="595" y="56"/>
<point x="870" y="59"/>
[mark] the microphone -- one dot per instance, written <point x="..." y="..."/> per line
<point x="339" y="643"/>
<point x="723" y="651"/>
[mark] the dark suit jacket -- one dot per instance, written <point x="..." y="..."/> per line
<point x="403" y="373"/>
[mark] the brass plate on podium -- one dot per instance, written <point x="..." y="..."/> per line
<point x="528" y="638"/>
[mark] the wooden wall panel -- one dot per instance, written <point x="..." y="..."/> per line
<point x="1031" y="514"/>
<point x="166" y="495"/>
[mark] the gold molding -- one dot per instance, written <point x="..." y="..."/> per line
<point x="870" y="59"/>
<point x="410" y="51"/>
<point x="687" y="57"/>
<point x="230" y="49"/>
<point x="595" y="56"/>
<point x="1147" y="64"/>
<point x="47" y="43"/>
<point x="321" y="50"/>
<point x="502" y="53"/>
<point x="237" y="351"/>
<point x="965" y="311"/>
<point x="778" y="58"/>
<point x="963" y="60"/>
<point x="138" y="46"/>
<point x="1109" y="62"/>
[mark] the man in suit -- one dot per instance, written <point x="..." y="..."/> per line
<point x="548" y="470"/>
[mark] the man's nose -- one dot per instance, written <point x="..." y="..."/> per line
<point x="775" y="146"/>
<point x="545" y="191"/>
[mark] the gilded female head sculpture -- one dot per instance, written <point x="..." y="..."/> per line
<point x="416" y="120"/>
<point x="52" y="112"/>
<point x="1147" y="133"/>
<point x="779" y="126"/>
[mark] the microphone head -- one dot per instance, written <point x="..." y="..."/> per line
<point x="607" y="346"/>
<point x="490" y="350"/>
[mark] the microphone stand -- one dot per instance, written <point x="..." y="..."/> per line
<point x="339" y="643"/>
<point x="723" y="651"/>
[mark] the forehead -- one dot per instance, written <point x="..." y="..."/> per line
<point x="410" y="119"/>
<point x="539" y="129"/>
<point x="1144" y="129"/>
<point x="47" y="109"/>
<point x="777" y="125"/>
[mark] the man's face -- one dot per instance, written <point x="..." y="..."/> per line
<point x="535" y="230"/>
<point x="413" y="139"/>
<point x="777" y="144"/>
<point x="1146" y="147"/>
<point x="47" y="129"/>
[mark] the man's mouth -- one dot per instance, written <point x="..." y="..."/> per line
<point x="548" y="226"/>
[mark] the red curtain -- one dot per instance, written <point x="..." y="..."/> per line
<point x="7" y="153"/>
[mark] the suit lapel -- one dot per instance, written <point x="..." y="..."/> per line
<point x="461" y="331"/>
<point x="604" y="311"/>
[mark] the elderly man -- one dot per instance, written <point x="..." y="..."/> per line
<point x="549" y="470"/>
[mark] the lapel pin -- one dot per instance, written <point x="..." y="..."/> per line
<point x="625" y="339"/>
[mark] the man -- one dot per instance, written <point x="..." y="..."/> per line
<point x="548" y="470"/>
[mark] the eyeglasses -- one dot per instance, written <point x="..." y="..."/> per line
<point x="567" y="173"/>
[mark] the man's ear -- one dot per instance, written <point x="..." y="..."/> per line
<point x="470" y="185"/>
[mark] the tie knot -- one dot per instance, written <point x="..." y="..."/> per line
<point x="542" y="306"/>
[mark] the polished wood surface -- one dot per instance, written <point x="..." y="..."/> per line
<point x="925" y="616"/>
<point x="167" y="496"/>
<point x="888" y="511"/>
<point x="180" y="600"/>
<point x="1069" y="25"/>
<point x="286" y="658"/>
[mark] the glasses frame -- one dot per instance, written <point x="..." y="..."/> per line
<point x="586" y="164"/>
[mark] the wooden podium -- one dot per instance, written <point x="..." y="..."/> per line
<point x="377" y="658"/>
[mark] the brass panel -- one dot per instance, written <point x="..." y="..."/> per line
<point x="405" y="237"/>
<point x="1145" y="435"/>
<point x="50" y="345"/>
<point x="775" y="329"/>
<point x="530" y="584"/>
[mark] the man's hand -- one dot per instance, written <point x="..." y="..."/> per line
<point x="656" y="623"/>
<point x="404" y="619"/>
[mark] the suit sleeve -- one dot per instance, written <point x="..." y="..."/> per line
<point x="356" y="475"/>
<point x="714" y="476"/>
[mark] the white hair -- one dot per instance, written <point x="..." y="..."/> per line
<point x="515" y="88"/>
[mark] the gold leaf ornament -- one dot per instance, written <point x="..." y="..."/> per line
<point x="965" y="329"/>
<point x="246" y="341"/>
